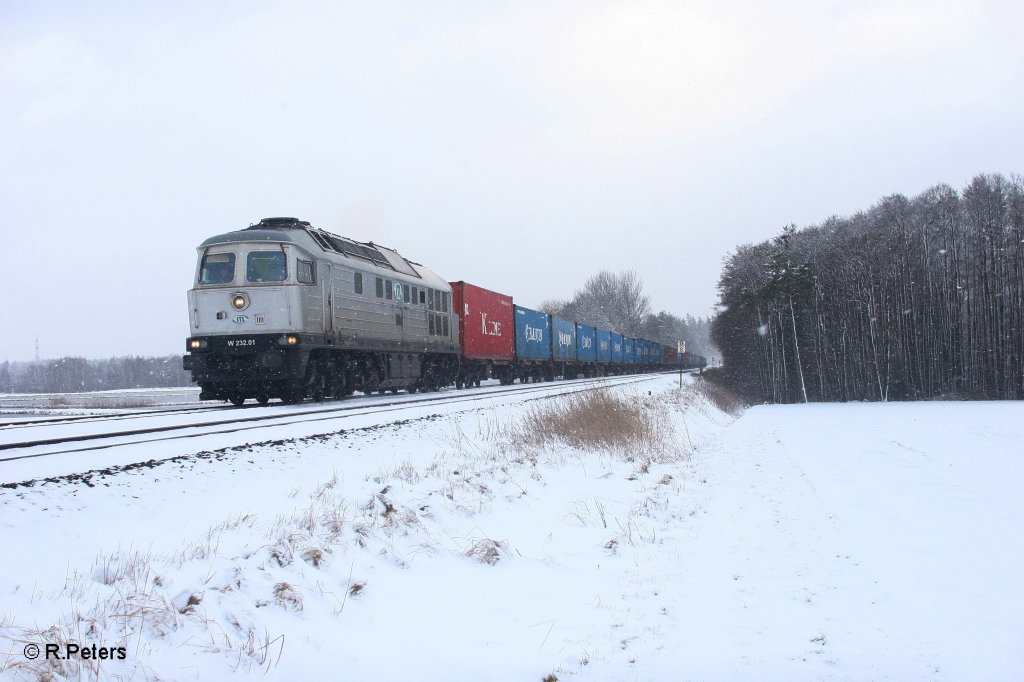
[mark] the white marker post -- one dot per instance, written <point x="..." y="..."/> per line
<point x="680" y="349"/>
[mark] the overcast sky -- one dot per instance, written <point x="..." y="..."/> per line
<point x="520" y="146"/>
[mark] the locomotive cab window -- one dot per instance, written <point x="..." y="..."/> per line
<point x="266" y="266"/>
<point x="305" y="273"/>
<point x="380" y="288"/>
<point x="217" y="268"/>
<point x="359" y="282"/>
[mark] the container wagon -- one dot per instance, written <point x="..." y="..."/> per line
<point x="533" y="345"/>
<point x="486" y="334"/>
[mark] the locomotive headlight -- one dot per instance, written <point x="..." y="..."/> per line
<point x="289" y="340"/>
<point x="239" y="301"/>
<point x="197" y="344"/>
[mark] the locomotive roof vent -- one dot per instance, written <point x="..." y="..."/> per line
<point x="280" y="224"/>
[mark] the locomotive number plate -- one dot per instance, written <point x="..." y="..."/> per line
<point x="239" y="343"/>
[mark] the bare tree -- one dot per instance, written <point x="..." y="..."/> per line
<point x="614" y="302"/>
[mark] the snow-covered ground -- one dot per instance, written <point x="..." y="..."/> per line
<point x="800" y="542"/>
<point x="96" y="402"/>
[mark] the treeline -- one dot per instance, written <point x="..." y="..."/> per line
<point x="76" y="375"/>
<point x="617" y="302"/>
<point x="913" y="299"/>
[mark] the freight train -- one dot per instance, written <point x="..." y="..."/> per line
<point x="284" y="310"/>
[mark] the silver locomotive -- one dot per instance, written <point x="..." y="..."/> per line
<point x="284" y="310"/>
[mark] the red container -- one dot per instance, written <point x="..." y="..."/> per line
<point x="486" y="329"/>
<point x="671" y="355"/>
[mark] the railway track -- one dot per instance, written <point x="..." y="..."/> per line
<point x="33" y="448"/>
<point x="118" y="416"/>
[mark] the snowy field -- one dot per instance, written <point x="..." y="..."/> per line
<point x="95" y="402"/>
<point x="845" y="542"/>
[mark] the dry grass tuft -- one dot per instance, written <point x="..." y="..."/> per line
<point x="287" y="596"/>
<point x="313" y="555"/>
<point x="591" y="419"/>
<point x="487" y="551"/>
<point x="281" y="553"/>
<point x="187" y="605"/>
<point x="719" y="395"/>
<point x="636" y="427"/>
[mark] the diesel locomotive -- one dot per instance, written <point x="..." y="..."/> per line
<point x="284" y="310"/>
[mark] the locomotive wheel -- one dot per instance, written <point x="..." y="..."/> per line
<point x="319" y="392"/>
<point x="262" y="398"/>
<point x="293" y="395"/>
<point x="237" y="400"/>
<point x="317" y="380"/>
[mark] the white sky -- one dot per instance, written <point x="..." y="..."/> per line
<point x="520" y="146"/>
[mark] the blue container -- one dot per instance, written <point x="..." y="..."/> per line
<point x="604" y="345"/>
<point x="563" y="339"/>
<point x="628" y="350"/>
<point x="659" y="353"/>
<point x="617" y="348"/>
<point x="586" y="343"/>
<point x="533" y="334"/>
